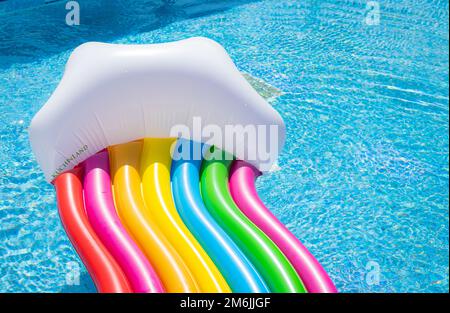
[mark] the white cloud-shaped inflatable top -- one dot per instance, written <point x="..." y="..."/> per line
<point x="112" y="94"/>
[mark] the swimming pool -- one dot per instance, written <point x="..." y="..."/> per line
<point x="363" y="178"/>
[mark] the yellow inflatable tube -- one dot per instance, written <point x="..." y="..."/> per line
<point x="156" y="161"/>
<point x="168" y="264"/>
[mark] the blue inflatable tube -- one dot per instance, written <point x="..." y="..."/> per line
<point x="239" y="273"/>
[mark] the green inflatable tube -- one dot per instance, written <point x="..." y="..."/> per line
<point x="269" y="261"/>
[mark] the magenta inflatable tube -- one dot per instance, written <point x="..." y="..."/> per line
<point x="106" y="223"/>
<point x="242" y="188"/>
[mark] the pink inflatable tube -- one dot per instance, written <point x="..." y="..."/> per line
<point x="106" y="223"/>
<point x="242" y="188"/>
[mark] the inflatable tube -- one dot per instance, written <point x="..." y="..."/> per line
<point x="237" y="270"/>
<point x="272" y="265"/>
<point x="103" y="269"/>
<point x="155" y="172"/>
<point x="170" y="267"/>
<point x="106" y="223"/>
<point x="243" y="191"/>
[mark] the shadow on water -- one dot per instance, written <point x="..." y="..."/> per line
<point x="40" y="30"/>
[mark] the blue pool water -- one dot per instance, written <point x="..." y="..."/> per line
<point x="363" y="179"/>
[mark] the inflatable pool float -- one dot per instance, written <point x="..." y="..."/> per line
<point x="153" y="192"/>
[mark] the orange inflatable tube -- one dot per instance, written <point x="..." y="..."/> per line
<point x="135" y="216"/>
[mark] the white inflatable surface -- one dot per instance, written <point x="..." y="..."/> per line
<point x="112" y="94"/>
